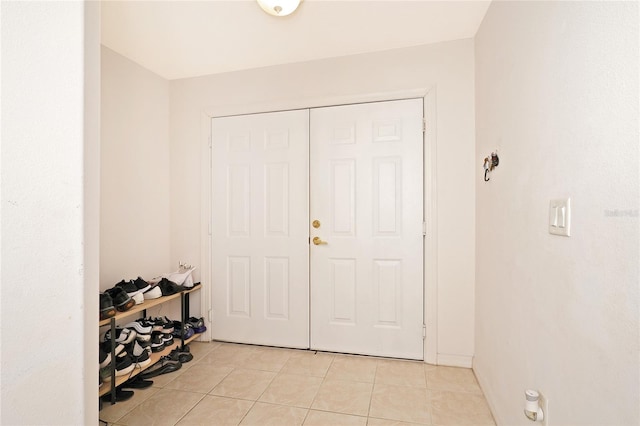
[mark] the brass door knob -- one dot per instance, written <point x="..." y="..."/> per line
<point x="317" y="241"/>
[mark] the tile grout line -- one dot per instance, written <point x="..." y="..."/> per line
<point x="190" y="409"/>
<point x="259" y="396"/>
<point x="324" y="378"/>
<point x="373" y="388"/>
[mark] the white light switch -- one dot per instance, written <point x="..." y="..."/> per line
<point x="560" y="216"/>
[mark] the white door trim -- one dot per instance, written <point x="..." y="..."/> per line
<point x="430" y="201"/>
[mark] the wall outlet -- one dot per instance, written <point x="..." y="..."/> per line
<point x="544" y="404"/>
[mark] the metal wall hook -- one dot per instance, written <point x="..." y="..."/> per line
<point x="490" y="163"/>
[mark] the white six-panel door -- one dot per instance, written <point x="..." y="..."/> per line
<point x="362" y="291"/>
<point x="366" y="174"/>
<point x="260" y="251"/>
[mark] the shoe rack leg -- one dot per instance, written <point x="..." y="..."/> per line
<point x="112" y="324"/>
<point x="184" y="306"/>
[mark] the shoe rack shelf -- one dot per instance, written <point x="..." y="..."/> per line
<point x="147" y="304"/>
<point x="155" y="357"/>
<point x="115" y="381"/>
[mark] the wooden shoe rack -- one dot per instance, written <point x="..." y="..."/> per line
<point x="110" y="385"/>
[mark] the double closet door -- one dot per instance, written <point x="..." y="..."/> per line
<point x="317" y="236"/>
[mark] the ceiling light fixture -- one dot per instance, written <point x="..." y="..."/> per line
<point x="279" y="7"/>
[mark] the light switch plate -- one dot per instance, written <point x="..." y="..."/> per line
<point x="560" y="216"/>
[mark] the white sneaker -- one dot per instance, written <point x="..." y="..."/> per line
<point x="138" y="297"/>
<point x="153" y="293"/>
<point x="139" y="328"/>
<point x="181" y="277"/>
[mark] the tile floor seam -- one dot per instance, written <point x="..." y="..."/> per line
<point x="221" y="380"/>
<point x="324" y="379"/>
<point x="305" y="416"/>
<point x="247" y="413"/>
<point x="191" y="409"/>
<point x="373" y="388"/>
<point x="266" y="387"/>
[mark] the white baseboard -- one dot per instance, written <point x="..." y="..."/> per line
<point x="455" y="360"/>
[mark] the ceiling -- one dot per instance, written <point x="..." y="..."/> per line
<point x="180" y="39"/>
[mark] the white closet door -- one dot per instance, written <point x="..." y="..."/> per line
<point x="367" y="194"/>
<point x="260" y="251"/>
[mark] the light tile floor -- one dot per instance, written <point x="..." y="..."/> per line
<point x="231" y="384"/>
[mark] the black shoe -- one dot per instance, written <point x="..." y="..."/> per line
<point x="104" y="358"/>
<point x="167" y="339"/>
<point x="164" y="366"/>
<point x="129" y="287"/>
<point x="121" y="300"/>
<point x="106" y="347"/>
<point x="178" y="330"/>
<point x="139" y="355"/>
<point x="107" y="310"/>
<point x="137" y="383"/>
<point x="167" y="325"/>
<point x="124" y="365"/>
<point x="197" y="324"/>
<point x="157" y="323"/>
<point x="164" y="325"/>
<point x="121" y="395"/>
<point x="144" y="343"/>
<point x="157" y="344"/>
<point x="178" y="355"/>
<point x="141" y="284"/>
<point x="169" y="287"/>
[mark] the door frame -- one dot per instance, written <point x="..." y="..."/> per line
<point x="430" y="303"/>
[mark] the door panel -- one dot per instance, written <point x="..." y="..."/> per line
<point x="260" y="253"/>
<point x="366" y="175"/>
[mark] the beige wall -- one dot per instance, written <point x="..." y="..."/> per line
<point x="135" y="172"/>
<point x="557" y="94"/>
<point x="49" y="212"/>
<point x="446" y="67"/>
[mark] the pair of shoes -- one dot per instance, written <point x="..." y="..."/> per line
<point x="135" y="289"/>
<point x="180" y="354"/>
<point x="107" y="310"/>
<point x="197" y="324"/>
<point x="164" y="366"/>
<point x="121" y="300"/>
